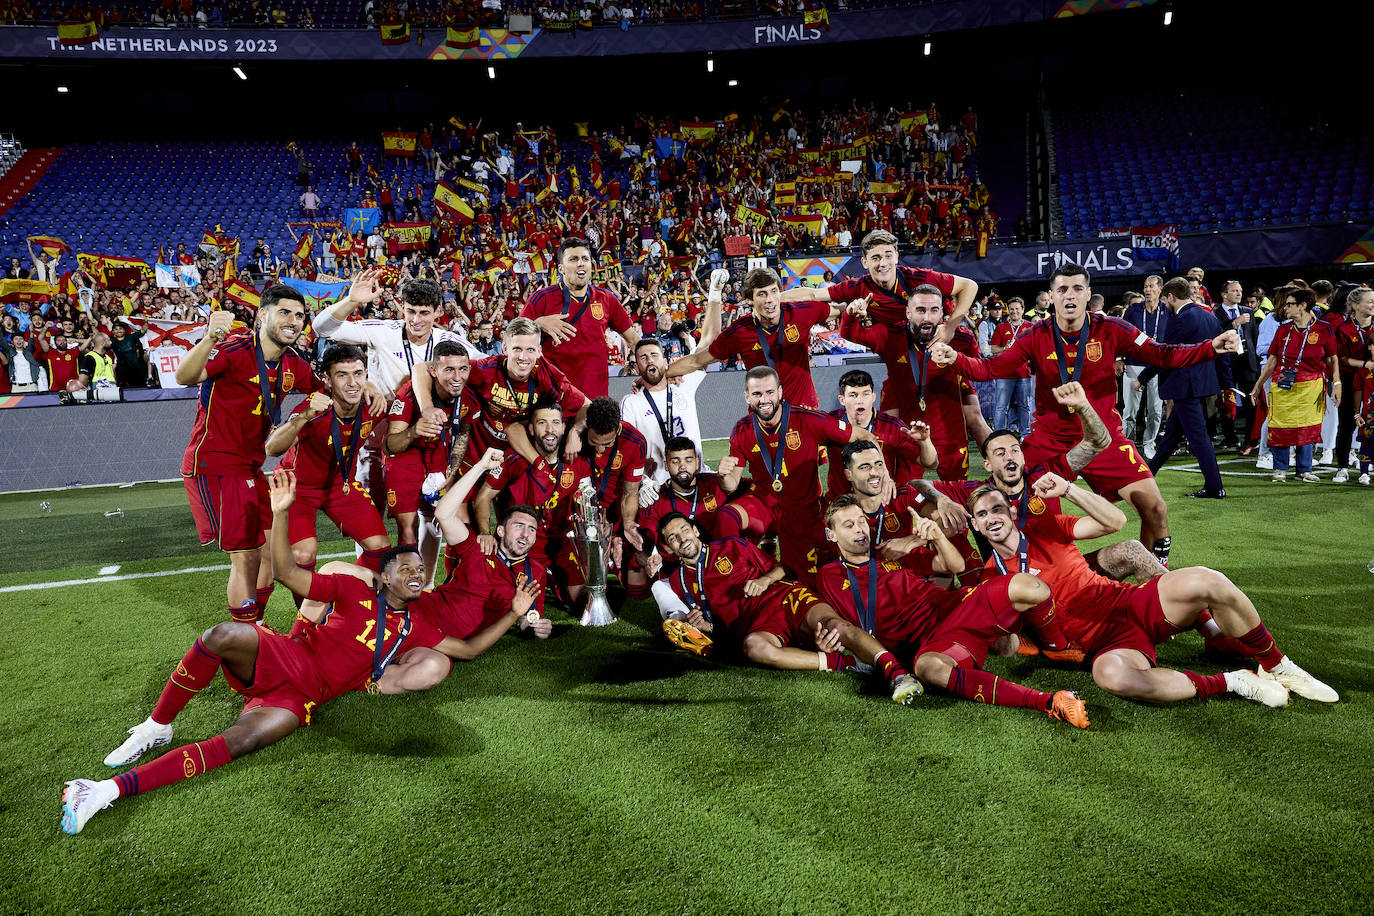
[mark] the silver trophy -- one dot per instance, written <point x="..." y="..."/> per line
<point x="592" y="535"/>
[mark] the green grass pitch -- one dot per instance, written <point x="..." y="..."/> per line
<point x="600" y="772"/>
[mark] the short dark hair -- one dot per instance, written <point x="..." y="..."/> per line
<point x="341" y="353"/>
<point x="854" y="378"/>
<point x="1178" y="287"/>
<point x="853" y="448"/>
<point x="603" y="416"/>
<point x="389" y="558"/>
<point x="519" y="508"/>
<point x="679" y="444"/>
<point x="422" y="293"/>
<point x="277" y="292"/>
<point x="1070" y="269"/>
<point x="546" y="401"/>
<point x="1323" y="287"/>
<point x="1303" y="297"/>
<point x="648" y="341"/>
<point x="448" y="348"/>
<point x="757" y="279"/>
<point x="926" y="289"/>
<point x="997" y="433"/>
<point x="762" y="372"/>
<point x="571" y="242"/>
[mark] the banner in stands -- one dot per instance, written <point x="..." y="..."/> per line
<point x="167" y="343"/>
<point x="247" y="45"/>
<point x="1248" y="249"/>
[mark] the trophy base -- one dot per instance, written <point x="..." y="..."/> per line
<point x="598" y="612"/>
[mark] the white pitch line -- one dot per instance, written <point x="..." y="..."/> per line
<point x="1197" y="469"/>
<point x="35" y="586"/>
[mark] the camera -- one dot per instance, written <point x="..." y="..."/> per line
<point x="687" y="326"/>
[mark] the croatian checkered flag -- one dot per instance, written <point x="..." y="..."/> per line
<point x="1156" y="243"/>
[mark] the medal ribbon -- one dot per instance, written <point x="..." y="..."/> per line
<point x="270" y="391"/>
<point x="868" y="612"/>
<point x="516" y="397"/>
<point x="340" y="452"/>
<point x="380" y="657"/>
<point x="507" y="561"/>
<point x="919" y="377"/>
<point x="763" y="340"/>
<point x="1022" y="556"/>
<point x="1076" y="373"/>
<point x="697" y="596"/>
<point x="568" y="300"/>
<point x="602" y="478"/>
<point x="773" y="461"/>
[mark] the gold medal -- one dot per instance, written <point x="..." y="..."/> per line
<point x="531" y="617"/>
<point x="922" y="403"/>
<point x="372" y="688"/>
<point x="777" y="486"/>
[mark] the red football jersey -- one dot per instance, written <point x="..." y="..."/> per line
<point x="786" y="347"/>
<point x="1025" y="506"/>
<point x="344" y="642"/>
<point x="1108" y="338"/>
<point x="702" y="505"/>
<point x="1306" y="350"/>
<point x="550" y="489"/>
<point x="313" y="456"/>
<point x="582" y="359"/>
<point x="907" y="386"/>
<point x="63" y="366"/>
<point x="505" y="401"/>
<point x="908" y="606"/>
<point x="901" y="453"/>
<point x="799" y="456"/>
<point x="431" y="452"/>
<point x="889" y="305"/>
<point x="728" y="564"/>
<point x="479" y="589"/>
<point x="620" y="464"/>
<point x="231" y="420"/>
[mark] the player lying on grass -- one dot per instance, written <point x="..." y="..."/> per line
<point x="730" y="582"/>
<point x="367" y="640"/>
<point x="1118" y="624"/>
<point x="950" y="632"/>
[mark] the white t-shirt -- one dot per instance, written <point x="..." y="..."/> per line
<point x="390" y="355"/>
<point x="682" y="416"/>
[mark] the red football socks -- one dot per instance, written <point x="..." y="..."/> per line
<point x="174" y="766"/>
<point x="1207" y="685"/>
<point x="248" y="613"/>
<point x="372" y="559"/>
<point x="888" y="666"/>
<point x="1260" y="645"/>
<point x="1042" y="618"/>
<point x="838" y="661"/>
<point x="982" y="687"/>
<point x="196" y="669"/>
<point x="1207" y="625"/>
<point x="264" y="594"/>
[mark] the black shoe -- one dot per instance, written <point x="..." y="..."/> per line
<point x="1205" y="493"/>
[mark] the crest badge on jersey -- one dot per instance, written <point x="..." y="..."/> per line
<point x="1094" y="352"/>
<point x="724" y="566"/>
<point x="598" y="311"/>
<point x="1312" y="338"/>
<point x="288" y="379"/>
<point x="567" y="479"/>
<point x="366" y="430"/>
<point x="891" y="565"/>
<point x="615" y="465"/>
<point x="793" y="333"/>
<point x="709" y="504"/>
<point x="1036" y="506"/>
<point x="793" y="440"/>
<point x="890" y="523"/>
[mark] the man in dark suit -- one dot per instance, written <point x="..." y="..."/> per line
<point x="1245" y="366"/>
<point x="1190" y="323"/>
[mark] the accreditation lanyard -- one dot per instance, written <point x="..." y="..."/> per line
<point x="410" y="356"/>
<point x="665" y="428"/>
<point x="381" y="658"/>
<point x="267" y="388"/>
<point x="1022" y="556"/>
<point x="868" y="612"/>
<point x="341" y="452"/>
<point x="774" y="461"/>
<point x="1285" y="361"/>
<point x="1075" y="374"/>
<point x="696" y="595"/>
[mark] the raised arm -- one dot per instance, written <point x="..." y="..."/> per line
<point x="284" y="568"/>
<point x="191" y="369"/>
<point x="1096" y="437"/>
<point x="446" y="510"/>
<point x="526" y="592"/>
<point x="1102" y="519"/>
<point x="964" y="291"/>
<point x="333" y="321"/>
<point x="284" y="436"/>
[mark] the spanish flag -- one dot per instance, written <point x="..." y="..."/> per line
<point x="782" y="111"/>
<point x="231" y="269"/>
<point x="817" y="17"/>
<point x="447" y="199"/>
<point x="305" y="246"/>
<point x="914" y="119"/>
<point x="753" y="215"/>
<point x="810" y="223"/>
<point x="395" y="33"/>
<point x="77" y="33"/>
<point x="983" y="237"/>
<point x="785" y="192"/>
<point x="731" y="118"/>
<point x="462" y="38"/>
<point x="823" y="207"/>
<point x="884" y="187"/>
<point x="399" y="143"/>
<point x="242" y="294"/>
<point x="549" y="190"/>
<point x="699" y="131"/>
<point x="457" y="123"/>
<point x="53" y="245"/>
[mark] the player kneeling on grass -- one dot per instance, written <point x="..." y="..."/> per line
<point x="954" y="629"/>
<point x="731" y="583"/>
<point x="368" y="640"/>
<point x="1118" y="624"/>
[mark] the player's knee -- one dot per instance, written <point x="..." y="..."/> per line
<point x="759" y="649"/>
<point x="303" y="554"/>
<point x="933" y="670"/>
<point x="1026" y="591"/>
<point x="225" y="637"/>
<point x="430" y="670"/>
<point x="1114" y="676"/>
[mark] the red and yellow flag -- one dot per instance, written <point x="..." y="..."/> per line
<point x="699" y="131"/>
<point x="305" y="246"/>
<point x="395" y="33"/>
<point x="447" y="199"/>
<point x="785" y="192"/>
<point x="462" y="37"/>
<point x="810" y="223"/>
<point x="77" y="33"/>
<point x="817" y="17"/>
<point x="399" y="143"/>
<point x="752" y="215"/>
<point x="473" y="186"/>
<point x="53" y="245"/>
<point x="242" y="294"/>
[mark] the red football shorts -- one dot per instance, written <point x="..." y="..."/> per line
<point x="780" y="611"/>
<point x="967" y="631"/>
<point x="953" y="457"/>
<point x="352" y="511"/>
<point x="405" y="475"/>
<point x="1135" y="621"/>
<point x="802" y="547"/>
<point x="236" y="511"/>
<point x="1118" y="466"/>
<point x="284" y="677"/>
